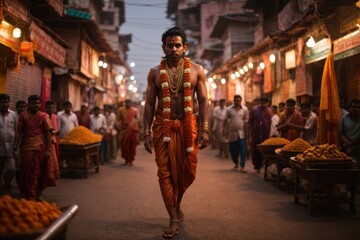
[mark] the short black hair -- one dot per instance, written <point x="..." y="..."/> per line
<point x="306" y="104"/>
<point x="49" y="103"/>
<point x="4" y="96"/>
<point x="21" y="102"/>
<point x="96" y="108"/>
<point x="67" y="103"/>
<point x="291" y="101"/>
<point x="264" y="99"/>
<point x="237" y="96"/>
<point x="34" y="97"/>
<point x="174" y="31"/>
<point x="282" y="104"/>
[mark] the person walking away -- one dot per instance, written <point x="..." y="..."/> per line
<point x="259" y="125"/>
<point x="274" y="122"/>
<point x="350" y="131"/>
<point x="53" y="163"/>
<point x="172" y="84"/>
<point x="98" y="126"/>
<point x="128" y="132"/>
<point x="8" y="122"/>
<point x="307" y="131"/>
<point x="219" y="116"/>
<point x="290" y="115"/>
<point x="35" y="128"/>
<point x="234" y="125"/>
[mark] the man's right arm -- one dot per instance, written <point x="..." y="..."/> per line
<point x="149" y="109"/>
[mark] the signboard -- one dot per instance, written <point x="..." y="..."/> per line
<point x="46" y="46"/>
<point x="18" y="8"/>
<point x="6" y="36"/>
<point x="347" y="46"/>
<point x="290" y="59"/>
<point x="320" y="51"/>
<point x="57" y="5"/>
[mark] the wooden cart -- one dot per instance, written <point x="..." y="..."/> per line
<point x="325" y="173"/>
<point x="283" y="161"/>
<point x="81" y="157"/>
<point x="268" y="153"/>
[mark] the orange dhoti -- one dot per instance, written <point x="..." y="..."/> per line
<point x="176" y="166"/>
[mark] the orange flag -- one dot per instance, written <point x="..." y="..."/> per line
<point x="329" y="120"/>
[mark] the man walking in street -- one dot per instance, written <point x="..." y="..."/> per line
<point x="234" y="129"/>
<point x="128" y="132"/>
<point x="174" y="83"/>
<point x="35" y="146"/>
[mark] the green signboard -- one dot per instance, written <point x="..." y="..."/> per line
<point x="77" y="13"/>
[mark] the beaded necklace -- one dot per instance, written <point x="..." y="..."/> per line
<point x="188" y="103"/>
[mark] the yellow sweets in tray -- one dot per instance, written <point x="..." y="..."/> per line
<point x="298" y="145"/>
<point x="324" y="152"/>
<point x="80" y="136"/>
<point x="20" y="216"/>
<point x="275" y="141"/>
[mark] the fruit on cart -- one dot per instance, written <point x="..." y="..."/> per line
<point x="18" y="216"/>
<point x="324" y="152"/>
<point x="81" y="135"/>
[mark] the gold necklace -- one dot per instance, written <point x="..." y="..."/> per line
<point x="175" y="80"/>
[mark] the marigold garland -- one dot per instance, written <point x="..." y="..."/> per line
<point x="188" y="103"/>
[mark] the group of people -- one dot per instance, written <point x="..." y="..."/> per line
<point x="252" y="124"/>
<point x="29" y="139"/>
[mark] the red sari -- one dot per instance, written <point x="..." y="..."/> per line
<point x="129" y="134"/>
<point x="33" y="167"/>
<point x="176" y="166"/>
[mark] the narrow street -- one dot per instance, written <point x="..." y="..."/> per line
<point x="121" y="203"/>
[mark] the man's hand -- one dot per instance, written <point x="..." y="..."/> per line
<point x="203" y="140"/>
<point x="148" y="143"/>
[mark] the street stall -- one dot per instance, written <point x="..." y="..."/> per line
<point x="283" y="155"/>
<point x="267" y="149"/>
<point x="80" y="151"/>
<point x="22" y="219"/>
<point x="318" y="170"/>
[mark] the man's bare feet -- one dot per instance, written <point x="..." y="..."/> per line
<point x="180" y="214"/>
<point x="172" y="230"/>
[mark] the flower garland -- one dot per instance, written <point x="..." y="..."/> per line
<point x="188" y="104"/>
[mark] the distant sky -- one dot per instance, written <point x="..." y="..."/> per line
<point x="146" y="21"/>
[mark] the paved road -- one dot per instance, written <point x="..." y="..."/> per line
<point x="125" y="203"/>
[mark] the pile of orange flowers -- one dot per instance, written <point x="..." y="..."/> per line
<point x="80" y="135"/>
<point x="298" y="145"/>
<point x="275" y="141"/>
<point x="22" y="216"/>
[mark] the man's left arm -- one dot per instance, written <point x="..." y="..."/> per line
<point x="201" y="93"/>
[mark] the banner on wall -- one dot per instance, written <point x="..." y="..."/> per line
<point x="320" y="51"/>
<point x="45" y="87"/>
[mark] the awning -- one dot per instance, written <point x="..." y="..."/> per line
<point x="78" y="78"/>
<point x="99" y="88"/>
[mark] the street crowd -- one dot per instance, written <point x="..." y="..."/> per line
<point x="236" y="129"/>
<point x="29" y="139"/>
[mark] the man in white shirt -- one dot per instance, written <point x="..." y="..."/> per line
<point x="235" y="120"/>
<point x="7" y="136"/>
<point x="111" y="131"/>
<point x="98" y="125"/>
<point x="274" y="122"/>
<point x="68" y="120"/>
